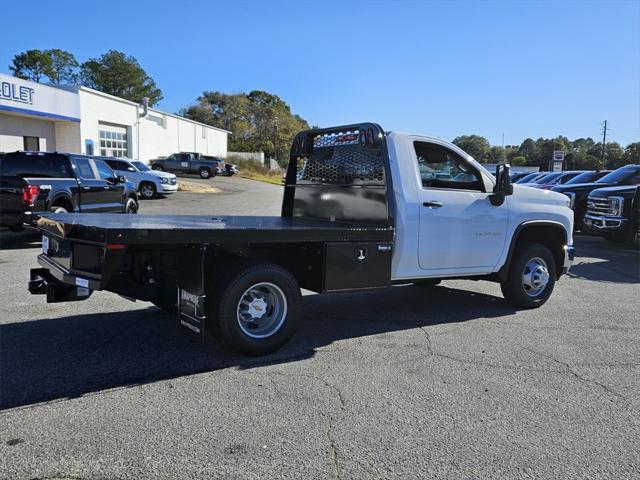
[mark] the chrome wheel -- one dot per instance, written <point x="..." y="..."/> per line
<point x="535" y="277"/>
<point x="204" y="173"/>
<point x="132" y="206"/>
<point x="262" y="310"/>
<point x="147" y="191"/>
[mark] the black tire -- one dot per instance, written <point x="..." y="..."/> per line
<point x="158" y="168"/>
<point x="514" y="289"/>
<point x="427" y="282"/>
<point x="148" y="190"/>
<point x="205" y="173"/>
<point x="16" y="228"/>
<point x="225" y="303"/>
<point x="131" y="206"/>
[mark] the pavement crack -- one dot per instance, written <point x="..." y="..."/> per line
<point x="567" y="367"/>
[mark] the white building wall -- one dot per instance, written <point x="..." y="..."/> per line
<point x="96" y="108"/>
<point x="14" y="127"/>
<point x="68" y="137"/>
<point x="31" y="109"/>
<point x="158" y="134"/>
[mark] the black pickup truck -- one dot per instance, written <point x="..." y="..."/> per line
<point x="187" y="162"/>
<point x="612" y="213"/>
<point x="35" y="182"/>
<point x="579" y="192"/>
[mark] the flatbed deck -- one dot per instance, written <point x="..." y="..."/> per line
<point x="199" y="229"/>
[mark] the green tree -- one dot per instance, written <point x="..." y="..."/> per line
<point x="518" y="161"/>
<point x="614" y="155"/>
<point x="63" y="68"/>
<point x="528" y="149"/>
<point x="121" y="75"/>
<point x="497" y="154"/>
<point x="632" y="153"/>
<point x="475" y="145"/>
<point x="258" y="120"/>
<point x="31" y="65"/>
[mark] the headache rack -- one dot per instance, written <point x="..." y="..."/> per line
<point x="340" y="174"/>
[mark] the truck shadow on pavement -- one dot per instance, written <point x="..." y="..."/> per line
<point x="62" y="358"/>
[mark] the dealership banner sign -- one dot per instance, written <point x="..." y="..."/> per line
<point x="38" y="100"/>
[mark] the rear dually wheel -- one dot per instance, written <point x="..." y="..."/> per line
<point x="256" y="309"/>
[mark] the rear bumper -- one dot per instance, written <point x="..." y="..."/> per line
<point x="43" y="282"/>
<point x="61" y="274"/>
<point x="569" y="255"/>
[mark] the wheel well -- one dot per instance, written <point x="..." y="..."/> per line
<point x="205" y="168"/>
<point x="551" y="235"/>
<point x="64" y="202"/>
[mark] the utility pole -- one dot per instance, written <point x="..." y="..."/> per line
<point x="604" y="143"/>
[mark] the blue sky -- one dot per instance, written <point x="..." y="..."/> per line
<point x="442" y="68"/>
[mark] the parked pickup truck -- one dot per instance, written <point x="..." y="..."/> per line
<point x="34" y="182"/>
<point x="611" y="213"/>
<point x="362" y="209"/>
<point x="186" y="162"/>
<point x="579" y="192"/>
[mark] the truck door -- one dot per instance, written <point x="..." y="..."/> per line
<point x="459" y="227"/>
<point x="183" y="162"/>
<point x="111" y="199"/>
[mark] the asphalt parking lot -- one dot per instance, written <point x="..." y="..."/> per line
<point x="448" y="382"/>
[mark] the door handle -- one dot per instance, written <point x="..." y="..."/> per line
<point x="432" y="204"/>
<point x="86" y="188"/>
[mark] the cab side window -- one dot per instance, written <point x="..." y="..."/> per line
<point x="83" y="168"/>
<point x="442" y="168"/>
<point x="103" y="169"/>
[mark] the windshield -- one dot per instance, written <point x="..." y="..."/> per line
<point x="586" y="177"/>
<point x="529" y="177"/>
<point x="547" y="178"/>
<point x="617" y="176"/>
<point x="141" y="166"/>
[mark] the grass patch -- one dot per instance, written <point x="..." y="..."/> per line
<point x="193" y="187"/>
<point x="255" y="171"/>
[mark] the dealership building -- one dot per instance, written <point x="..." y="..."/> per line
<point x="76" y="119"/>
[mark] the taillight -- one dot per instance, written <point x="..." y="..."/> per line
<point x="30" y="194"/>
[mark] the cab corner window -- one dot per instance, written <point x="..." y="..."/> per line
<point x="441" y="168"/>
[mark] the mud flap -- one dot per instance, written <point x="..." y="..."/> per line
<point x="191" y="292"/>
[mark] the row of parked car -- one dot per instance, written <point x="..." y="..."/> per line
<point x="604" y="202"/>
<point x="33" y="182"/>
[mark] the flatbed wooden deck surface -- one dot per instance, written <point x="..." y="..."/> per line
<point x="195" y="229"/>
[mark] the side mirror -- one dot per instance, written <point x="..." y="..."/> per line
<point x="122" y="179"/>
<point x="503" y="186"/>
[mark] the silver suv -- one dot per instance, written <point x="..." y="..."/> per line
<point x="150" y="183"/>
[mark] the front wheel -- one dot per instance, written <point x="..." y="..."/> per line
<point x="531" y="276"/>
<point x="148" y="190"/>
<point x="257" y="309"/>
<point x="131" y="206"/>
<point x="157" y="168"/>
<point x="205" y="173"/>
